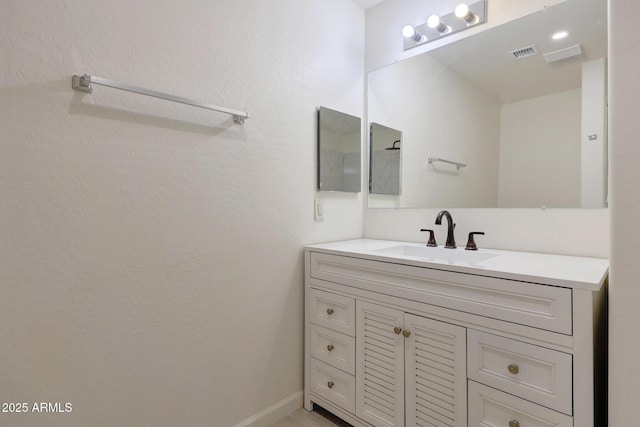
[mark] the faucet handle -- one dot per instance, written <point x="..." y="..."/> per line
<point x="471" y="243"/>
<point x="432" y="238"/>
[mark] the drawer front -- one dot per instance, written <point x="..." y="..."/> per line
<point x="534" y="373"/>
<point x="334" y="348"/>
<point x="333" y="385"/>
<point x="333" y="311"/>
<point x="539" y="306"/>
<point x="491" y="407"/>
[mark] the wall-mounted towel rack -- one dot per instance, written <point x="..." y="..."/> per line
<point x="85" y="83"/>
<point x="437" y="159"/>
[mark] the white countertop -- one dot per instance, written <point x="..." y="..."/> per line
<point x="555" y="270"/>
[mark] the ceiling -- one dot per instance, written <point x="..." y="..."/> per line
<point x="366" y="4"/>
<point x="485" y="61"/>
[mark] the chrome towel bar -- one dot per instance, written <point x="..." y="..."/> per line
<point x="85" y="83"/>
<point x="437" y="159"/>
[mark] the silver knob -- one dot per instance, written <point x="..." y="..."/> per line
<point x="514" y="423"/>
<point x="330" y="347"/>
<point x="330" y="385"/>
<point x="406" y="333"/>
<point x="513" y="369"/>
<point x="397" y="330"/>
<point x="329" y="311"/>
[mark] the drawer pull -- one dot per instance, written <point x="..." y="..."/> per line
<point x="406" y="333"/>
<point x="513" y="369"/>
<point x="330" y="385"/>
<point x="514" y="423"/>
<point x="330" y="347"/>
<point x="397" y="330"/>
<point x="329" y="311"/>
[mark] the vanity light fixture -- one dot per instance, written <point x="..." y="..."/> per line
<point x="465" y="15"/>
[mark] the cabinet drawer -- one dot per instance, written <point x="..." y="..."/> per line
<point x="536" y="305"/>
<point x="534" y="373"/>
<point x="332" y="311"/>
<point x="333" y="348"/>
<point x="333" y="384"/>
<point x="491" y="407"/>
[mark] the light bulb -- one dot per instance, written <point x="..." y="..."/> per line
<point x="433" y="21"/>
<point x="462" y="10"/>
<point x="408" y="31"/>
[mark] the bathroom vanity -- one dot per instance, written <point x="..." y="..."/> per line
<point x="400" y="334"/>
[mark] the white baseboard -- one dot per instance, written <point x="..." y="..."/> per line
<point x="275" y="412"/>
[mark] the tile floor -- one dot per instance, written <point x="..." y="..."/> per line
<point x="317" y="418"/>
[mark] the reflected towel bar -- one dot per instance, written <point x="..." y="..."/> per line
<point x="437" y="159"/>
<point x="85" y="82"/>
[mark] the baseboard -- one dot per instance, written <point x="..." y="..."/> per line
<point x="275" y="412"/>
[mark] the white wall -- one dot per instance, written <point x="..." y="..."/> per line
<point x="561" y="231"/>
<point x="540" y="138"/>
<point x="624" y="152"/>
<point x="594" y="134"/>
<point x="151" y="264"/>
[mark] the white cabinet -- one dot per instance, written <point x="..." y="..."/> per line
<point x="332" y="384"/>
<point x="435" y="367"/>
<point x="330" y="333"/>
<point x="333" y="348"/>
<point x="380" y="367"/>
<point x="529" y="371"/>
<point x="391" y="343"/>
<point x="409" y="367"/>
<point x="490" y="407"/>
<point x="332" y="311"/>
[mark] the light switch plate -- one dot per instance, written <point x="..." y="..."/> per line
<point x="318" y="211"/>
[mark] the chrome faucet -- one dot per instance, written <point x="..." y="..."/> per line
<point x="451" y="240"/>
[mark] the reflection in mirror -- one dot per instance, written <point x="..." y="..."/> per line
<point x="339" y="142"/>
<point x="524" y="112"/>
<point x="385" y="148"/>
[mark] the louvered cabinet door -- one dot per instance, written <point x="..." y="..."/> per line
<point x="435" y="363"/>
<point x="379" y="365"/>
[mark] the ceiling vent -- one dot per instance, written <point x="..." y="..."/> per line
<point x="563" y="54"/>
<point x="524" y="52"/>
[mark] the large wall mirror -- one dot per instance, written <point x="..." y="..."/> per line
<point x="339" y="151"/>
<point x="518" y="117"/>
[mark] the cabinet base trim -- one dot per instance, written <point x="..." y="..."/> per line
<point x="335" y="410"/>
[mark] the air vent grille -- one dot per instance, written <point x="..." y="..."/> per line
<point x="562" y="54"/>
<point x="524" y="52"/>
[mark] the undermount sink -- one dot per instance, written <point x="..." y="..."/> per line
<point x="437" y="254"/>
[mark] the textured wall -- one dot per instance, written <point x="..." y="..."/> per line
<point x="624" y="157"/>
<point x="151" y="265"/>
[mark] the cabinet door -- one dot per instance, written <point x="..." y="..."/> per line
<point x="380" y="365"/>
<point x="435" y="363"/>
